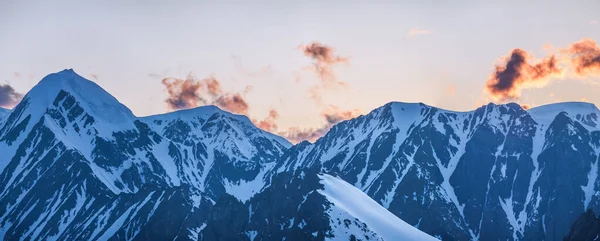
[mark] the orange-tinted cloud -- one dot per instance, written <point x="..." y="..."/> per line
<point x="585" y="57"/>
<point x="233" y="102"/>
<point x="190" y="92"/>
<point x="323" y="60"/>
<point x="525" y="106"/>
<point x="332" y="116"/>
<point x="296" y="135"/>
<point x="183" y="93"/>
<point x="417" y="31"/>
<point x="269" y="123"/>
<point x="213" y="86"/>
<point x="8" y="96"/>
<point x="518" y="72"/>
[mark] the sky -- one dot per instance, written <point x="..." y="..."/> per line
<point x="441" y="54"/>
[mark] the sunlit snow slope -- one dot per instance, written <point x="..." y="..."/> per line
<point x="350" y="202"/>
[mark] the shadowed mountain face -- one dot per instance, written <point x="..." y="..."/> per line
<point x="75" y="164"/>
<point x="586" y="227"/>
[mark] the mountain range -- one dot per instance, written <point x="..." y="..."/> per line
<point x="75" y="164"/>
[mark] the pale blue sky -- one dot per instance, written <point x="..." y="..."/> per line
<point x="124" y="42"/>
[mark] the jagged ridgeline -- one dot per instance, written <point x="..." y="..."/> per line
<point x="75" y="164"/>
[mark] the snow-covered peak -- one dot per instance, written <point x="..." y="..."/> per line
<point x="95" y="100"/>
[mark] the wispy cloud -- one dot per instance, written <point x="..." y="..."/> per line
<point x="418" y="31"/>
<point x="594" y="22"/>
<point x="324" y="59"/>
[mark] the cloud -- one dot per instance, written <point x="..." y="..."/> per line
<point x="584" y="57"/>
<point x="191" y="92"/>
<point x="233" y="102"/>
<point x="213" y="86"/>
<point x="269" y="123"/>
<point x="323" y="61"/>
<point x="296" y="135"/>
<point x="517" y="72"/>
<point x="594" y="22"/>
<point x="417" y="31"/>
<point x="525" y="106"/>
<point x="8" y="96"/>
<point x="183" y="93"/>
<point x="332" y="116"/>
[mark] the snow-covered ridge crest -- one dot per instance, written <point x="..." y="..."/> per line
<point x="203" y="113"/>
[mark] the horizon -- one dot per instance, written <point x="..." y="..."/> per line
<point x="367" y="112"/>
<point x="297" y="141"/>
<point x="298" y="68"/>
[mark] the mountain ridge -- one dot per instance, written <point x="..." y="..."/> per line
<point x="66" y="78"/>
<point x="497" y="172"/>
